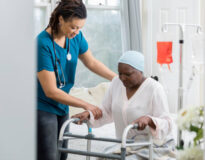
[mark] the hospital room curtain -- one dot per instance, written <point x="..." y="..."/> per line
<point x="131" y="25"/>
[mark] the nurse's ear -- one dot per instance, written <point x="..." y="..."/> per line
<point x="61" y="20"/>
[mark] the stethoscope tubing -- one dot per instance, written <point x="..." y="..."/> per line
<point x="58" y="61"/>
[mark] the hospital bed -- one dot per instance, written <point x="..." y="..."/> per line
<point x="89" y="137"/>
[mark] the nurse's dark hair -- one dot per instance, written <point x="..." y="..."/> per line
<point x="68" y="9"/>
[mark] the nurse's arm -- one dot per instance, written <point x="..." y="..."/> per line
<point x="48" y="82"/>
<point x="96" y="66"/>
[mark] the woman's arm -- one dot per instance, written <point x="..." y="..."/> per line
<point x="145" y="121"/>
<point x="160" y="115"/>
<point x="48" y="82"/>
<point x="96" y="66"/>
<point x="160" y="122"/>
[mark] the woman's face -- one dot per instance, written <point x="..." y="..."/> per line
<point x="71" y="27"/>
<point x="129" y="76"/>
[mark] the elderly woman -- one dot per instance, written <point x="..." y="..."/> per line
<point x="133" y="98"/>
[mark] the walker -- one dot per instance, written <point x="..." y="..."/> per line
<point x="124" y="142"/>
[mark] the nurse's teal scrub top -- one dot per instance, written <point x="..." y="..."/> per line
<point x="46" y="61"/>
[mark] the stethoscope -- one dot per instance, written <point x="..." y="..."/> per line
<point x="69" y="57"/>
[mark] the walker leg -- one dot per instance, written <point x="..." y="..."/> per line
<point x="150" y="152"/>
<point x="88" y="149"/>
<point x="60" y="144"/>
<point x="123" y="153"/>
<point x="89" y="142"/>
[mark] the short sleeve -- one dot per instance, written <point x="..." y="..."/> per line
<point x="83" y="44"/>
<point x="44" y="58"/>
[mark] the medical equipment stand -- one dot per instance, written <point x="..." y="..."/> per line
<point x="181" y="42"/>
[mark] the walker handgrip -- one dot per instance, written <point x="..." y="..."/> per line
<point x="124" y="145"/>
<point x="75" y="120"/>
<point x="135" y="126"/>
<point x="65" y="124"/>
<point x="124" y="136"/>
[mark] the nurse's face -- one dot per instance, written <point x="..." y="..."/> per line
<point x="129" y="76"/>
<point x="71" y="28"/>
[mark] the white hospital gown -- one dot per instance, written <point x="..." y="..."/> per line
<point x="150" y="99"/>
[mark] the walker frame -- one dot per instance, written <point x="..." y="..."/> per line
<point x="124" y="142"/>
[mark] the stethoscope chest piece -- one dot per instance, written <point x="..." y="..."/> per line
<point x="69" y="57"/>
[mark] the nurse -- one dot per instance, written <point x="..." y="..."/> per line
<point x="133" y="98"/>
<point x="58" y="48"/>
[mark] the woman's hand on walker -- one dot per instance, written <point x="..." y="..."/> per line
<point x="143" y="122"/>
<point x="84" y="116"/>
<point x="97" y="112"/>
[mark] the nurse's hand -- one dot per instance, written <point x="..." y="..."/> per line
<point x="84" y="116"/>
<point x="143" y="122"/>
<point x="97" y="112"/>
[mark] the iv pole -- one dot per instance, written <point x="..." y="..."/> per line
<point x="180" y="88"/>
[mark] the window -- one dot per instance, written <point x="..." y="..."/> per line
<point x="103" y="33"/>
<point x="42" y="13"/>
<point x="102" y="2"/>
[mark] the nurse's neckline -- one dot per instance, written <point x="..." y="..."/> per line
<point x="66" y="43"/>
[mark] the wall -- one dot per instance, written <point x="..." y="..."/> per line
<point x="17" y="81"/>
<point x="184" y="12"/>
<point x="202" y="10"/>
